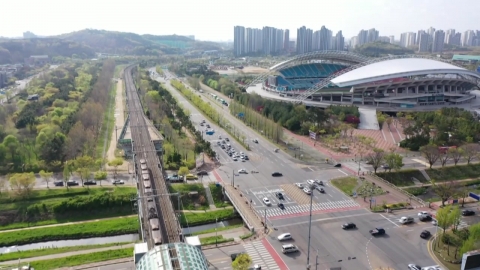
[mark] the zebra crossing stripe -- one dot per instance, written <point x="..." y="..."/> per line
<point x="297" y="209"/>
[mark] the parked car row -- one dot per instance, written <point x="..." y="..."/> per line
<point x="72" y="183"/>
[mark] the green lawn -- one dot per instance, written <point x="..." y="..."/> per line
<point x="454" y="172"/>
<point x="76" y="231"/>
<point x="190" y="202"/>
<point x="346" y="184"/>
<point x="226" y="228"/>
<point x="108" y="124"/>
<point x="49" y="251"/>
<point x="217" y="195"/>
<point x="402" y="178"/>
<point x="82" y="259"/>
<point x="206" y="217"/>
<point x="214" y="239"/>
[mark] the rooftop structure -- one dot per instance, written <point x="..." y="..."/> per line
<point x="466" y="58"/>
<point x="159" y="258"/>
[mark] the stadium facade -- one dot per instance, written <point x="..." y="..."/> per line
<point x="347" y="78"/>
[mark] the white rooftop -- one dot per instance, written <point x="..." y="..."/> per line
<point x="390" y="69"/>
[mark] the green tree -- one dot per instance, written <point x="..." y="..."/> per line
<point x="443" y="219"/>
<point x="67" y="172"/>
<point x="444" y="190"/>
<point x="83" y="166"/>
<point x="431" y="153"/>
<point x="183" y="171"/>
<point x="54" y="149"/>
<point x="99" y="176"/>
<point x="115" y="163"/>
<point x="455" y="216"/>
<point x="11" y="143"/>
<point x="242" y="262"/>
<point x="46" y="176"/>
<point x="473" y="240"/>
<point x="394" y="161"/>
<point x="23" y="183"/>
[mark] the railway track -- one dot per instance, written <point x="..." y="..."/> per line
<point x="150" y="179"/>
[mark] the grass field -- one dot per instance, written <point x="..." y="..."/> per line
<point x="217" y="195"/>
<point x="345" y="184"/>
<point x="107" y="124"/>
<point x="49" y="251"/>
<point x="206" y="217"/>
<point x="82" y="259"/>
<point x="76" y="231"/>
<point x="214" y="239"/>
<point x="454" y="172"/>
<point x="226" y="228"/>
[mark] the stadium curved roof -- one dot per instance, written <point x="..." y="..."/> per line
<point x="394" y="68"/>
<point x="338" y="56"/>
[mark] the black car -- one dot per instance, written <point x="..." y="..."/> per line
<point x="246" y="157"/>
<point x="425" y="218"/>
<point x="202" y="173"/>
<point x="235" y="255"/>
<point x="281" y="206"/>
<point x="319" y="182"/>
<point x="89" y="183"/>
<point x="338" y="165"/>
<point x="72" y="183"/>
<point x="277" y="174"/>
<point x="425" y="234"/>
<point x="279" y="196"/>
<point x="349" y="225"/>
<point x="58" y="183"/>
<point x="321" y="190"/>
<point x="468" y="212"/>
<point x="226" y="139"/>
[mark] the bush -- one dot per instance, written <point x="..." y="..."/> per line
<point x="454" y="172"/>
<point x="402" y="178"/>
<point x="218" y="197"/>
<point x="189" y="201"/>
<point x="416" y="191"/>
<point x="194" y="218"/>
<point x="414" y="143"/>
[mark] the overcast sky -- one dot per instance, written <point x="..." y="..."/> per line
<point x="215" y="19"/>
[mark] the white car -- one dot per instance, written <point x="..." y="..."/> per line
<point x="299" y="185"/>
<point x="423" y="213"/>
<point x="307" y="191"/>
<point x="242" y="171"/>
<point x="311" y="182"/>
<point x="284" y="236"/>
<point x="234" y="158"/>
<point x="434" y="222"/>
<point x="266" y="201"/>
<point x="414" y="267"/>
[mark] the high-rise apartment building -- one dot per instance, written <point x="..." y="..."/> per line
<point x="304" y="40"/>
<point x="366" y="36"/>
<point x="239" y="40"/>
<point x="391" y="39"/>
<point x="354" y="42"/>
<point x="372" y="35"/>
<point x="423" y="41"/>
<point x="322" y="39"/>
<point x="467" y="38"/>
<point x="407" y="39"/>
<point x="338" y="42"/>
<point x="449" y="34"/>
<point x="438" y="41"/>
<point x="286" y="40"/>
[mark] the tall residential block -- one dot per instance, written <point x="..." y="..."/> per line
<point x="304" y="40"/>
<point x="239" y="40"/>
<point x="438" y="41"/>
<point x="423" y="41"/>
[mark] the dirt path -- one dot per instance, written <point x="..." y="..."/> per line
<point x="119" y="122"/>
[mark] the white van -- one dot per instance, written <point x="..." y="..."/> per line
<point x="406" y="220"/>
<point x="289" y="248"/>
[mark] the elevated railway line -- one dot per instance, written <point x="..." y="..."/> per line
<point x="160" y="222"/>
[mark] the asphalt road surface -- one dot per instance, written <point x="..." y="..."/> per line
<point x="399" y="247"/>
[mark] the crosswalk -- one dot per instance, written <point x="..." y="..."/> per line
<point x="462" y="225"/>
<point x="260" y="255"/>
<point x="305" y="208"/>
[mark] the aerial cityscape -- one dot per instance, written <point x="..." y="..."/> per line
<point x="205" y="135"/>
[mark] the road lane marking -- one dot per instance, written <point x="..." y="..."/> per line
<point x="342" y="172"/>
<point x="324" y="219"/>
<point x="389" y="220"/>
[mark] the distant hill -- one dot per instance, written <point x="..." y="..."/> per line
<point x="134" y="44"/>
<point x="377" y="49"/>
<point x="16" y="50"/>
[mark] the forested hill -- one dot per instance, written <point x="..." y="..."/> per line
<point x="376" y="49"/>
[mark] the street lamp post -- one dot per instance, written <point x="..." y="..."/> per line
<point x="216" y="232"/>
<point x="309" y="228"/>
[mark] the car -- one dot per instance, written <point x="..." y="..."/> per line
<point x="349" y="225"/>
<point x="414" y="267"/>
<point x="425" y="218"/>
<point x="219" y="137"/>
<point x="284" y="236"/>
<point x="234" y="256"/>
<point x="208" y="126"/>
<point x="202" y="173"/>
<point x="72" y="183"/>
<point x="320" y="189"/>
<point x="234" y="158"/>
<point x="89" y="183"/>
<point x="307" y="191"/>
<point x="425" y="234"/>
<point x="434" y="222"/>
<point x="255" y="140"/>
<point x="299" y="185"/>
<point x="218" y="143"/>
<point x="405" y="220"/>
<point x="423" y="213"/>
<point x="58" y="183"/>
<point x="385" y="166"/>
<point x="468" y="212"/>
<point x="222" y="146"/>
<point x="377" y="231"/>
<point x="143" y="161"/>
<point x="246" y="157"/>
<point x="319" y="182"/>
<point x="281" y="206"/>
<point x="226" y="139"/>
<point x="279" y="195"/>
<point x="118" y="182"/>
<point x="275" y="174"/>
<point x="191" y="176"/>
<point x="257" y="267"/>
<point x="242" y="171"/>
<point x="338" y="165"/>
<point x="311" y="182"/>
<point x="266" y="201"/>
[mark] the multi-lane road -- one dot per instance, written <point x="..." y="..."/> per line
<point x="354" y="249"/>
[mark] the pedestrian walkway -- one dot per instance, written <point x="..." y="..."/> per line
<point x="305" y="208"/>
<point x="260" y="255"/>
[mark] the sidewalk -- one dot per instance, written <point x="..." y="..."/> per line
<point x="64" y="224"/>
<point x="67" y="254"/>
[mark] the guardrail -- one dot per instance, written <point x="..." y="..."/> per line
<point x="409" y="195"/>
<point x="236" y="205"/>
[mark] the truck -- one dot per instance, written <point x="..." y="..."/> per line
<point x="377" y="231"/>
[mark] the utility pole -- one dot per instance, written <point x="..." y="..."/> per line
<point x="216" y="232"/>
<point x="309" y="228"/>
<point x="316" y="261"/>
<point x="233" y="178"/>
<point x="265" y="225"/>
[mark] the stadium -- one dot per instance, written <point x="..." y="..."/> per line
<point x="338" y="77"/>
